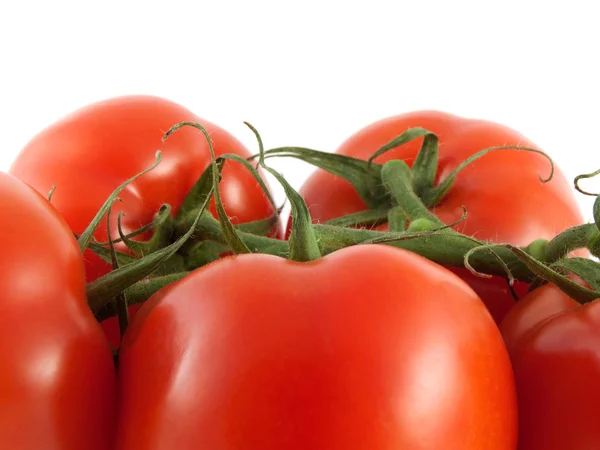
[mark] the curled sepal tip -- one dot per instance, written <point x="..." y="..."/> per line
<point x="433" y="196"/>
<point x="86" y="236"/>
<point x="163" y="227"/>
<point x="584" y="176"/>
<point x="235" y="242"/>
<point x="489" y="248"/>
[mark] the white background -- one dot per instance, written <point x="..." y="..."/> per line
<point x="313" y="73"/>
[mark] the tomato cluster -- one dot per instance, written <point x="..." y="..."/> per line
<point x="366" y="347"/>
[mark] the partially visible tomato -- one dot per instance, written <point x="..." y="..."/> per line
<point x="554" y="345"/>
<point x="533" y="311"/>
<point x="57" y="379"/>
<point x="93" y="150"/>
<point x="505" y="200"/>
<point x="370" y="347"/>
<point x="89" y="153"/>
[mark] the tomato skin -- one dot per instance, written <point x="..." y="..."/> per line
<point x="533" y="311"/>
<point x="554" y="350"/>
<point x="93" y="150"/>
<point x="505" y="200"/>
<point x="262" y="353"/>
<point x="57" y="382"/>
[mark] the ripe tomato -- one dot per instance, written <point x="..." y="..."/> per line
<point x="554" y="342"/>
<point x="505" y="200"/>
<point x="365" y="348"/>
<point x="57" y="382"/>
<point x="95" y="149"/>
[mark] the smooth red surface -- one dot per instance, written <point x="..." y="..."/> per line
<point x="554" y="345"/>
<point x="57" y="379"/>
<point x="532" y="312"/>
<point x="370" y="347"/>
<point x="505" y="200"/>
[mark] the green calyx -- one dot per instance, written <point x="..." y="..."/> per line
<point x="395" y="193"/>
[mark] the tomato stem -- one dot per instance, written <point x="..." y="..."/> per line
<point x="570" y="240"/>
<point x="426" y="164"/>
<point x="302" y="241"/>
<point x="397" y="219"/>
<point x="397" y="178"/>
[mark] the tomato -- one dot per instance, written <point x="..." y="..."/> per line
<point x="57" y="382"/>
<point x="365" y="348"/>
<point x="554" y="346"/>
<point x="505" y="200"/>
<point x="95" y="149"/>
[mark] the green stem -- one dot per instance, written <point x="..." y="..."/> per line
<point x="397" y="178"/>
<point x="303" y="245"/>
<point x="397" y="219"/>
<point x="570" y="240"/>
<point x="366" y="218"/>
<point x="446" y="248"/>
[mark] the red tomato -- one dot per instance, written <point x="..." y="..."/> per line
<point x="505" y="200"/>
<point x="57" y="382"/>
<point x="366" y="348"/>
<point x="554" y="346"/>
<point x="95" y="149"/>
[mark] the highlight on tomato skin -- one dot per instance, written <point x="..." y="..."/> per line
<point x="57" y="382"/>
<point x="491" y="189"/>
<point x="365" y="348"/>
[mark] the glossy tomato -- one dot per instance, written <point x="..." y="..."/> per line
<point x="366" y="348"/>
<point x="505" y="200"/>
<point x="57" y="382"/>
<point x="554" y="342"/>
<point x="95" y="149"/>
